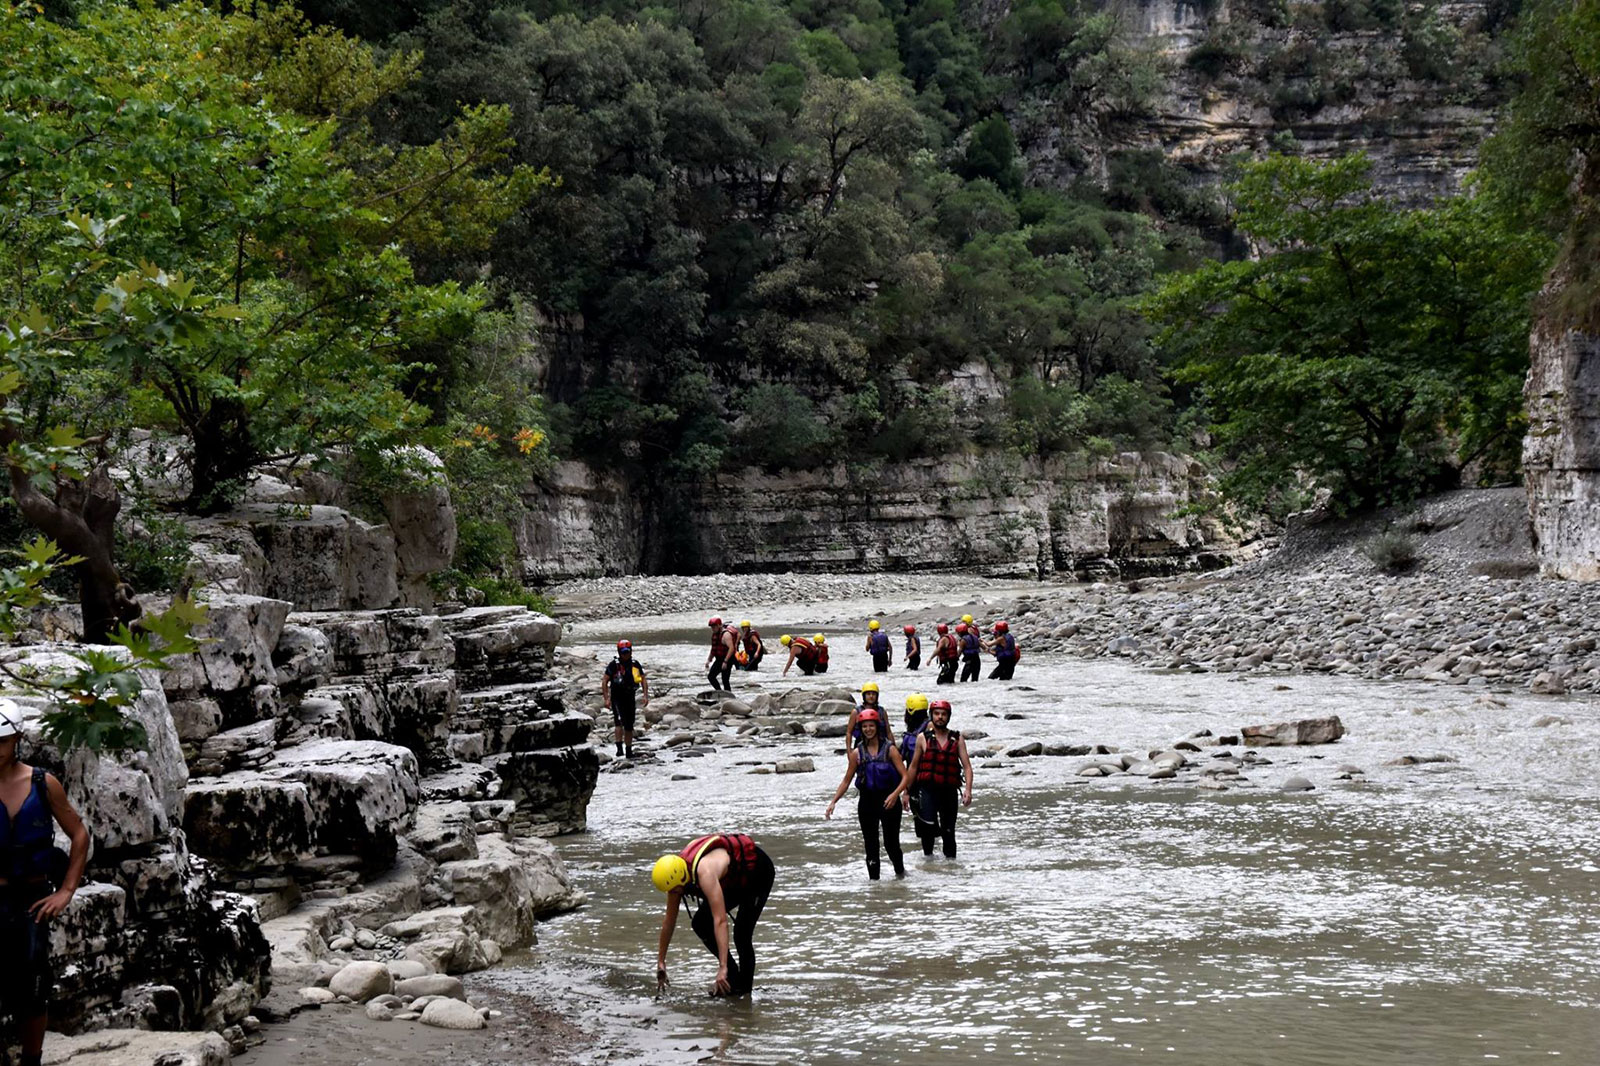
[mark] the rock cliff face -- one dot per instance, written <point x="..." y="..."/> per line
<point x="1102" y="518"/>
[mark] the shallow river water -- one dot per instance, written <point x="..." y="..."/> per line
<point x="1441" y="913"/>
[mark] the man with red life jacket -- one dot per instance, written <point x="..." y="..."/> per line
<point x="724" y="873"/>
<point x="941" y="772"/>
<point x="724" y="642"/>
<point x="876" y="766"/>
<point x="971" y="651"/>
<point x="878" y="647"/>
<point x="1006" y="652"/>
<point x="916" y="725"/>
<point x="821" y="644"/>
<point x="754" y="650"/>
<point x="947" y="653"/>
<point x="913" y="648"/>
<point x="624" y="677"/>
<point x="802" y="653"/>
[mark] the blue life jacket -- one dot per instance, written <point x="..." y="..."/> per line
<point x="908" y="742"/>
<point x="1007" y="648"/>
<point x="875" y="773"/>
<point x="27" y="841"/>
<point x="970" y="644"/>
<point x="913" y="646"/>
<point x="878" y="643"/>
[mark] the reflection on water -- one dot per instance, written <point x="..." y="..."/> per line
<point x="1446" y="913"/>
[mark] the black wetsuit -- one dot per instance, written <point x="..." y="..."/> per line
<point x="623" y="689"/>
<point x="744" y="908"/>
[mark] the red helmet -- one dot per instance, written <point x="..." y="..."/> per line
<point x="943" y="628"/>
<point x="624" y="645"/>
<point x="961" y="627"/>
<point x="910" y="630"/>
<point x="939" y="705"/>
<point x="868" y="714"/>
<point x="1002" y="626"/>
<point x="714" y="623"/>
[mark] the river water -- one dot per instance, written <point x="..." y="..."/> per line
<point x="1439" y="913"/>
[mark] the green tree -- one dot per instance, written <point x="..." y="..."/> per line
<point x="1375" y="349"/>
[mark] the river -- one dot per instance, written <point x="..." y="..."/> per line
<point x="1439" y="913"/>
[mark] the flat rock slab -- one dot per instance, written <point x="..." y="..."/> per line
<point x="136" y="1047"/>
<point x="1303" y="731"/>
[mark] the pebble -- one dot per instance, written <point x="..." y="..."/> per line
<point x="1296" y="783"/>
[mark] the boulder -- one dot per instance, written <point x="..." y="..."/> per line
<point x="830" y="708"/>
<point x="452" y="1014"/>
<point x="1032" y="747"/>
<point x="1296" y="783"/>
<point x="424" y="524"/>
<point x="434" y="984"/>
<point x="1303" y="731"/>
<point x="404" y="970"/>
<point x="238" y="636"/>
<point x="445" y="832"/>
<point x="247" y="820"/>
<point x="317" y="557"/>
<point x="313" y="994"/>
<point x="303" y="657"/>
<point x="362" y="792"/>
<point x="136" y="1047"/>
<point x="362" y="981"/>
<point x="795" y="766"/>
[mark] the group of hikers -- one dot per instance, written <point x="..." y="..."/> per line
<point x="727" y="877"/>
<point x="960" y="644"/>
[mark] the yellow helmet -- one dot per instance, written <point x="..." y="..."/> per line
<point x="786" y="640"/>
<point x="819" y="639"/>
<point x="670" y="872"/>
<point x="967" y="618"/>
<point x="745" y="624"/>
<point x="870" y="686"/>
<point x="917" y="701"/>
<point x="873" y="624"/>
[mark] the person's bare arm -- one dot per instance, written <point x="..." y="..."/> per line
<point x="966" y="770"/>
<point x="711" y="888"/>
<point x="605" y="690"/>
<point x="849" y="772"/>
<point x="65" y="816"/>
<point x="668" y="924"/>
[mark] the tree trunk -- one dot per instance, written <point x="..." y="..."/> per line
<point x="81" y="519"/>
<point x="224" y="452"/>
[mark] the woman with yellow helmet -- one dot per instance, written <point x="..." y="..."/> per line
<point x="724" y="873"/>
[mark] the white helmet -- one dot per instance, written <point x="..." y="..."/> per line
<point x="10" y="718"/>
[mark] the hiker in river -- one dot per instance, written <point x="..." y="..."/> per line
<point x="35" y="884"/>
<point x="971" y="651"/>
<point x="941" y="772"/>
<point x="913" y="648"/>
<point x="870" y="700"/>
<point x="719" y="661"/>
<point x="724" y="872"/>
<point x="1006" y="652"/>
<point x="623" y="678"/>
<point x="878" y="647"/>
<point x="947" y="652"/>
<point x="802" y="653"/>
<point x="877" y="768"/>
<point x="821" y="644"/>
<point x="916" y="725"/>
<point x="752" y="647"/>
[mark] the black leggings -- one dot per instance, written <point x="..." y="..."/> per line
<point x="880" y="664"/>
<point x="947" y="671"/>
<point x="26" y="975"/>
<point x="1003" y="669"/>
<point x="723" y="669"/>
<point x="744" y="908"/>
<point x="936" y="817"/>
<point x="914" y="661"/>
<point x="971" y="666"/>
<point x="871" y="813"/>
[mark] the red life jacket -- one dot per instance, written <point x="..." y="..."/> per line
<point x="940" y="767"/>
<point x="741" y="855"/>
<point x="822" y="655"/>
<point x="803" y="649"/>
<point x="752" y="640"/>
<point x="946" y="650"/>
<point x="719" y="644"/>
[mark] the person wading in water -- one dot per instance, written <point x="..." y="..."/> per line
<point x="34" y="886"/>
<point x="719" y="663"/>
<point x="916" y="725"/>
<point x="754" y="649"/>
<point x="802" y="653"/>
<point x="1006" y="652"/>
<point x="948" y="654"/>
<point x="913" y="649"/>
<point x="878" y="647"/>
<point x="623" y="678"/>
<point x="877" y="768"/>
<point x="971" y="651"/>
<point x="724" y="872"/>
<point x="941" y="772"/>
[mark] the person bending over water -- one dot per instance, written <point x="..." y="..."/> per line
<point x="33" y="889"/>
<point x="723" y="872"/>
<point x="941" y="771"/>
<point x="877" y="768"/>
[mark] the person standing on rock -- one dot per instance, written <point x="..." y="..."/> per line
<point x="719" y="663"/>
<point x="913" y="648"/>
<point x="623" y="678"/>
<point x="820" y="642"/>
<point x="916" y="725"/>
<point x="35" y="886"/>
<point x="877" y="768"/>
<point x="724" y="873"/>
<point x="878" y="647"/>
<point x="754" y="649"/>
<point x="971" y="651"/>
<point x="941" y="771"/>
<point x="802" y="653"/>
<point x="1006" y="652"/>
<point x="948" y="654"/>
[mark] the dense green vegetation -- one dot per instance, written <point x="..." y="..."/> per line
<point x="692" y="237"/>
